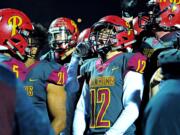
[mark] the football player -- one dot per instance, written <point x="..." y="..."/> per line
<point x="112" y="92"/>
<point x="63" y="34"/>
<point x="15" y="27"/>
<point x="45" y="82"/>
<point x="167" y="32"/>
<point x="157" y="118"/>
<point x="75" y="81"/>
<point x="164" y="84"/>
<point x="19" y="113"/>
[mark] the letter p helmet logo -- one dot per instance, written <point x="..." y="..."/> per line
<point x="14" y="22"/>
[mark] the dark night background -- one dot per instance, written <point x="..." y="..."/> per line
<point x="90" y="11"/>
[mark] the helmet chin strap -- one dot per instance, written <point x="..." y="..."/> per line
<point x="103" y="51"/>
<point x="28" y="51"/>
<point x="124" y="46"/>
<point x="15" y="50"/>
<point x="66" y="54"/>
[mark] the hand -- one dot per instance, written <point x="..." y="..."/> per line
<point x="82" y="49"/>
<point x="154" y="83"/>
<point x="156" y="78"/>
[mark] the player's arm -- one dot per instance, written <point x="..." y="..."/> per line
<point x="56" y="97"/>
<point x="79" y="123"/>
<point x="132" y="96"/>
<point x="72" y="85"/>
<point x="154" y="82"/>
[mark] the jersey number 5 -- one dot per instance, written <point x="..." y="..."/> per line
<point x="15" y="70"/>
<point x="102" y="97"/>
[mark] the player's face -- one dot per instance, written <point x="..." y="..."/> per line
<point x="61" y="40"/>
<point x="103" y="37"/>
<point x="32" y="45"/>
<point x="61" y="36"/>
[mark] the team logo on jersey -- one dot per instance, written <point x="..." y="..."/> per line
<point x="115" y="68"/>
<point x="14" y="22"/>
<point x="32" y="80"/>
<point x="102" y="81"/>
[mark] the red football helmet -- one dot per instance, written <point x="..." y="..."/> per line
<point x="15" y="28"/>
<point x="111" y="32"/>
<point x="139" y="24"/>
<point x="168" y="11"/>
<point x="170" y="17"/>
<point x="63" y="34"/>
<point x="84" y="35"/>
<point x="84" y="48"/>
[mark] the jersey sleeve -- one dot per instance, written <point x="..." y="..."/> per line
<point x="86" y="67"/>
<point x="137" y="63"/>
<point x="58" y="77"/>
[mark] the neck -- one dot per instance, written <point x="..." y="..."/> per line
<point x="110" y="54"/>
<point x="30" y="61"/>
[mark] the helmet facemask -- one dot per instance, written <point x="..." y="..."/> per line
<point x="61" y="42"/>
<point x="18" y="43"/>
<point x="14" y="31"/>
<point x="103" y="37"/>
<point x="60" y="39"/>
<point x="33" y="47"/>
<point x="109" y="37"/>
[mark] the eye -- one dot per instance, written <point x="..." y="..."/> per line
<point x="15" y="40"/>
<point x="125" y="38"/>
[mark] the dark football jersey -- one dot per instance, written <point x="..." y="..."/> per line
<point x="156" y="112"/>
<point x="163" y="110"/>
<point x="37" y="78"/>
<point x="18" y="115"/>
<point x="106" y="88"/>
<point x="14" y="65"/>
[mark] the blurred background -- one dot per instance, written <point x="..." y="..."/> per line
<point x="83" y="12"/>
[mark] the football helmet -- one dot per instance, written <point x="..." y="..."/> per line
<point x="83" y="47"/>
<point x="111" y="33"/>
<point x="166" y="11"/>
<point x="139" y="24"/>
<point x="63" y="34"/>
<point x="84" y="35"/>
<point x="15" y="28"/>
